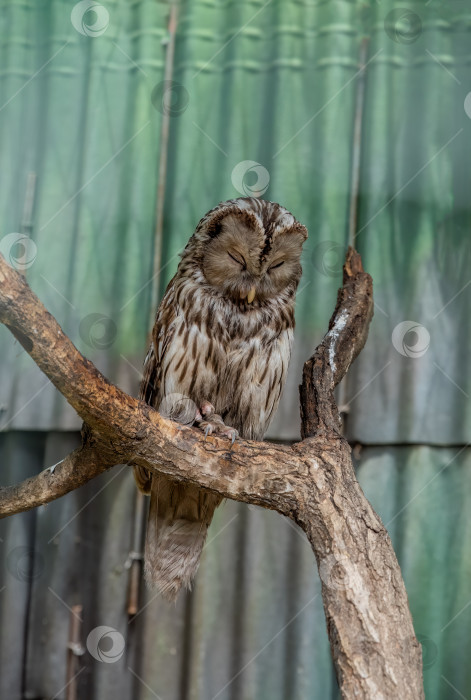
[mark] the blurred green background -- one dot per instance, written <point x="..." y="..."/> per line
<point x="121" y="124"/>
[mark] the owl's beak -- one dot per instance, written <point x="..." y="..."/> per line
<point x="251" y="295"/>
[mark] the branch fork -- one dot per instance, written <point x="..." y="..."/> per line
<point x="375" y="652"/>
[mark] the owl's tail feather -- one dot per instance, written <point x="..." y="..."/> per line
<point x="179" y="518"/>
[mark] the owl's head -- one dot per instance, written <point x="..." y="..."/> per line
<point x="250" y="249"/>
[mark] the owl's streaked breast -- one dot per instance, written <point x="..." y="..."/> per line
<point x="215" y="352"/>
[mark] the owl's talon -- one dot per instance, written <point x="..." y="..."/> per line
<point x="207" y="409"/>
<point x="231" y="433"/>
<point x="215" y="425"/>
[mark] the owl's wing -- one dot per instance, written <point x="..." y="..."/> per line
<point x="179" y="514"/>
<point x="162" y="334"/>
<point x="150" y="387"/>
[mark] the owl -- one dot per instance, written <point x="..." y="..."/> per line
<point x="221" y="345"/>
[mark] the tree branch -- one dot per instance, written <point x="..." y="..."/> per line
<point x="370" y="629"/>
<point x="348" y="331"/>
<point x="75" y="470"/>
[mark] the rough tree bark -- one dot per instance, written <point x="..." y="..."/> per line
<point x="375" y="652"/>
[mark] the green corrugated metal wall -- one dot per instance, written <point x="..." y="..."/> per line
<point x="275" y="83"/>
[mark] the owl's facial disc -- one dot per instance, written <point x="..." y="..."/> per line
<point x="238" y="262"/>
